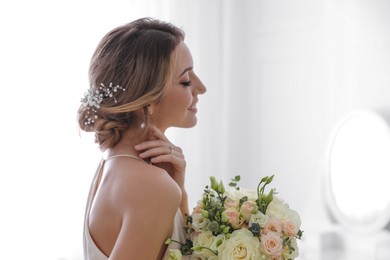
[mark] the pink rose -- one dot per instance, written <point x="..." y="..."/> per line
<point x="271" y="244"/>
<point x="289" y="228"/>
<point x="233" y="217"/>
<point x="273" y="225"/>
<point x="248" y="208"/>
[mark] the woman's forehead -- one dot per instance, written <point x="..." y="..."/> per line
<point x="182" y="59"/>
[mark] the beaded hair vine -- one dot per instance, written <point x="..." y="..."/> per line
<point x="93" y="98"/>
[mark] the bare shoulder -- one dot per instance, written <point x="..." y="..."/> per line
<point x="146" y="198"/>
<point x="137" y="182"/>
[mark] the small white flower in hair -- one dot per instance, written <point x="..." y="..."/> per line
<point x="93" y="99"/>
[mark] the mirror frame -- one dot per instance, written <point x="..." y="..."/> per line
<point x="382" y="221"/>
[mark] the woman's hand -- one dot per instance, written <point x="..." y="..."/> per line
<point x="162" y="153"/>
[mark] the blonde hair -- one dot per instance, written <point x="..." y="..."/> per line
<point x="138" y="57"/>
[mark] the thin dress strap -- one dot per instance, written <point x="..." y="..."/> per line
<point x="124" y="155"/>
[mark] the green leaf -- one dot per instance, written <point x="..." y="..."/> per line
<point x="232" y="184"/>
<point x="221" y="187"/>
<point x="243" y="199"/>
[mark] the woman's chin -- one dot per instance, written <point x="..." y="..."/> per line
<point x="189" y="123"/>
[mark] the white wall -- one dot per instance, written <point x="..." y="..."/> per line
<point x="289" y="72"/>
<point x="280" y="76"/>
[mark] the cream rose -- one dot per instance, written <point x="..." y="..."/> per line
<point x="241" y="245"/>
<point x="199" y="222"/>
<point x="235" y="194"/>
<point x="271" y="244"/>
<point x="204" y="241"/>
<point x="258" y="218"/>
<point x="294" y="217"/>
<point x="231" y="203"/>
<point x="206" y="254"/>
<point x="278" y="209"/>
<point x="287" y="254"/>
<point x="218" y="241"/>
<point x="250" y="193"/>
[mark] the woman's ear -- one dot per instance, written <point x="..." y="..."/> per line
<point x="150" y="108"/>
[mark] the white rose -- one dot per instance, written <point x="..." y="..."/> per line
<point x="258" y="218"/>
<point x="218" y="241"/>
<point x="205" y="241"/>
<point x="250" y="193"/>
<point x="233" y="197"/>
<point x="235" y="194"/>
<point x="278" y="209"/>
<point x="199" y="222"/>
<point x="294" y="217"/>
<point x="241" y="245"/>
<point x="287" y="254"/>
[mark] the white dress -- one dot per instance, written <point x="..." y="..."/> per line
<point x="92" y="252"/>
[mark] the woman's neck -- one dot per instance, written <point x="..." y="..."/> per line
<point x="126" y="144"/>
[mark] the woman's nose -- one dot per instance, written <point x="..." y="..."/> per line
<point x="200" y="88"/>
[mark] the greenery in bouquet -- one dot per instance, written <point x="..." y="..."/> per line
<point x="241" y="224"/>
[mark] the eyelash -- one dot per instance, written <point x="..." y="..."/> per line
<point x="186" y="83"/>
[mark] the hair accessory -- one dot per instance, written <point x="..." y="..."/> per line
<point x="92" y="100"/>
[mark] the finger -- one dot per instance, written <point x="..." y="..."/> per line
<point x="161" y="150"/>
<point x="168" y="158"/>
<point x="156" y="143"/>
<point x="151" y="144"/>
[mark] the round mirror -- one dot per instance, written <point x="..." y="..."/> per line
<point x="359" y="172"/>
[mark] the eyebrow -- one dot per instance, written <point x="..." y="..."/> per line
<point x="185" y="70"/>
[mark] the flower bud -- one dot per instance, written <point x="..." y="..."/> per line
<point x="226" y="230"/>
<point x="214" y="183"/>
<point x="221" y="187"/>
<point x="225" y="218"/>
<point x="269" y="180"/>
<point x="204" y="213"/>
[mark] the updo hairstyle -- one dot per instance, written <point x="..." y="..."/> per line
<point x="137" y="57"/>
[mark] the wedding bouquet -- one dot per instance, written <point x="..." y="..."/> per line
<point x="241" y="224"/>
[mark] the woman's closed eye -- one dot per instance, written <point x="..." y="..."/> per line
<point x="186" y="83"/>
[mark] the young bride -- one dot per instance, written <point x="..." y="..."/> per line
<point x="141" y="83"/>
